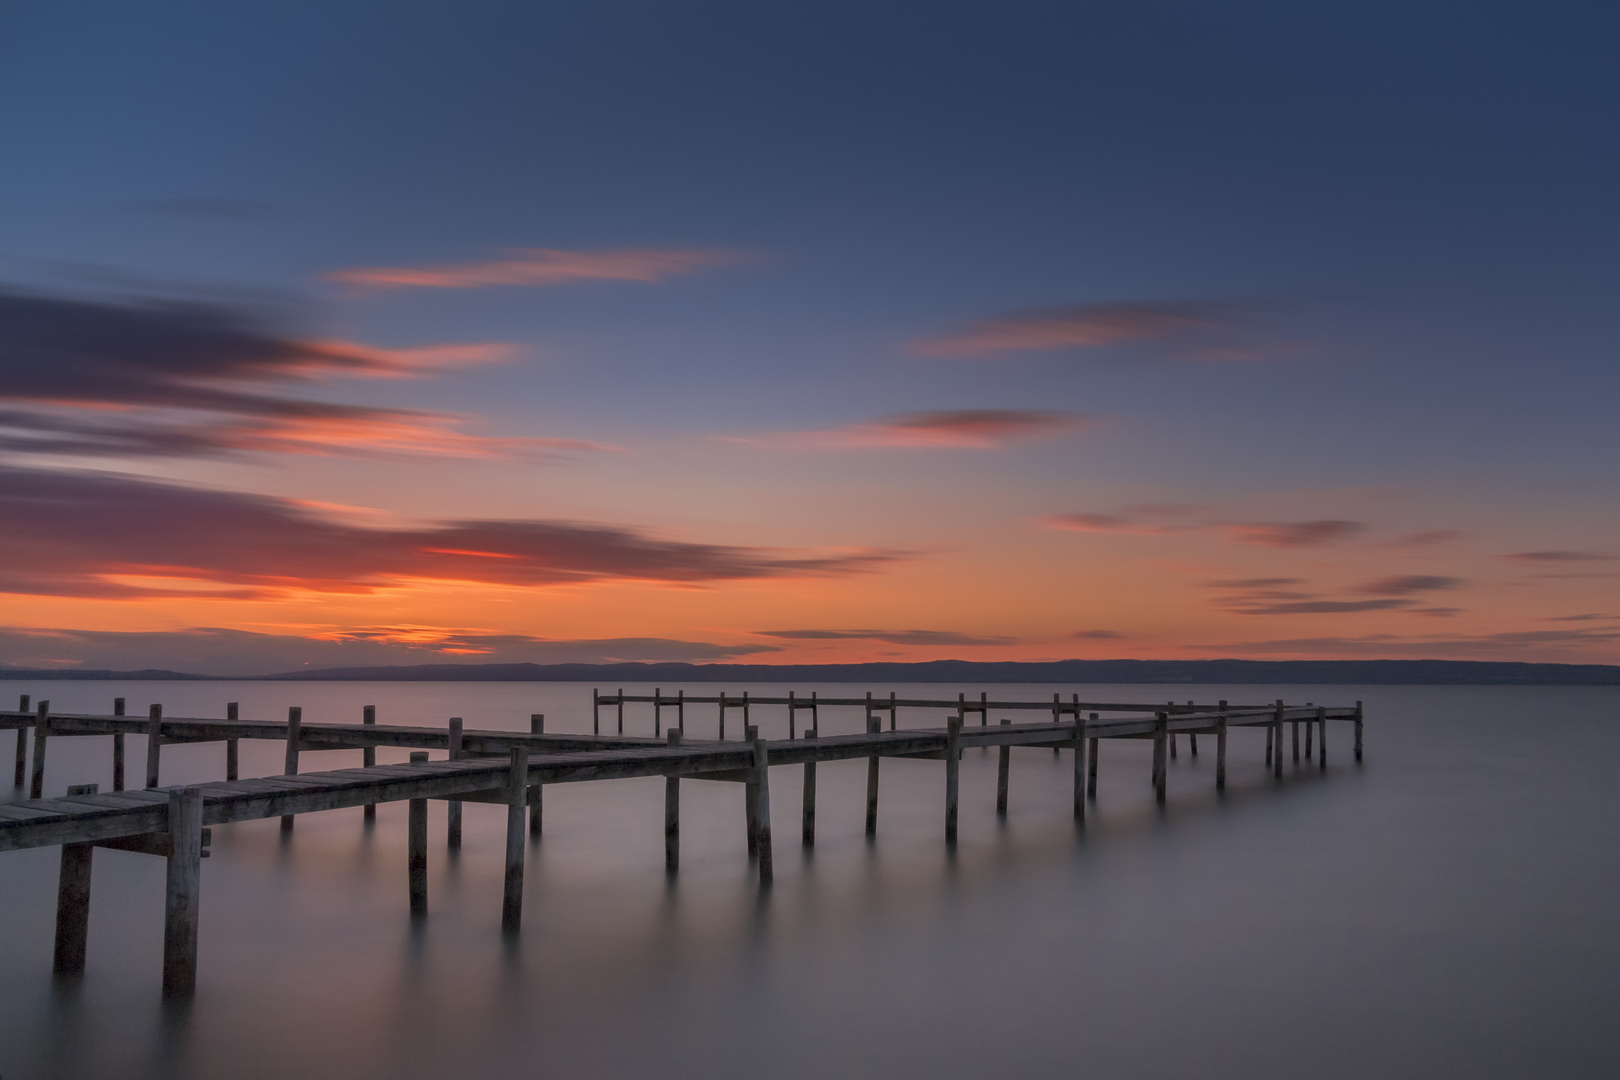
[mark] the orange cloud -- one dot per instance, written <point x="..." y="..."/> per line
<point x="541" y="266"/>
<point x="976" y="429"/>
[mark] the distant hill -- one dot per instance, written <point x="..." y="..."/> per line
<point x="1364" y="672"/>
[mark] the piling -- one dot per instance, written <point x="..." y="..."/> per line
<point x="874" y="724"/>
<point x="1091" y="764"/>
<point x="154" y="744"/>
<point x="232" y="748"/>
<point x="1192" y="736"/>
<point x="1079" y="762"/>
<point x="22" y="745"/>
<point x="73" y="908"/>
<point x="181" y="895"/>
<point x="953" y="762"/>
<point x="751" y="798"/>
<point x="1358" y="731"/>
<point x="596" y="711"/>
<point x="118" y="748"/>
<point x="1160" y="766"/>
<point x="810" y="797"/>
<point x="1321" y="737"/>
<point x="621" y="710"/>
<point x="453" y="810"/>
<point x="1295" y="737"/>
<point x="1276" y="726"/>
<point x="1220" y="748"/>
<point x="416" y="846"/>
<point x="368" y="756"/>
<point x="672" y="814"/>
<point x="295" y="721"/>
<point x="1309" y="731"/>
<point x="537" y="726"/>
<point x="42" y="731"/>
<point x="762" y="811"/>
<point x="517" y="793"/>
<point x="680" y="711"/>
<point x="1003" y="767"/>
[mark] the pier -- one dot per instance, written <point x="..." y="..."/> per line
<point x="513" y="768"/>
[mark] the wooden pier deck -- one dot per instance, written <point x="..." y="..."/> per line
<point x="513" y="768"/>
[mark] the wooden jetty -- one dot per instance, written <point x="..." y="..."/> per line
<point x="512" y="768"/>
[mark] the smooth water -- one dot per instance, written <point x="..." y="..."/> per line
<point x="1449" y="907"/>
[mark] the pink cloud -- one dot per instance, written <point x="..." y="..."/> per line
<point x="541" y="266"/>
<point x="1074" y="326"/>
<point x="1560" y="556"/>
<point x="975" y="429"/>
<point x="1293" y="533"/>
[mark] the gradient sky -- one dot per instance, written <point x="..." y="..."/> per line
<point x="382" y="332"/>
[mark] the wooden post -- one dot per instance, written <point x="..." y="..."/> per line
<point x="1057" y="716"/>
<point x="1079" y="761"/>
<point x="810" y="794"/>
<point x="751" y="798"/>
<point x="1270" y="728"/>
<point x="722" y="735"/>
<point x="517" y="793"/>
<point x="42" y="731"/>
<point x="1276" y="761"/>
<point x="672" y="814"/>
<point x="1091" y="765"/>
<point x="1294" y="738"/>
<point x="874" y="725"/>
<point x="416" y="846"/>
<point x="1171" y="709"/>
<point x="154" y="744"/>
<point x="453" y="806"/>
<point x="894" y="713"/>
<point x="182" y="893"/>
<point x="762" y="811"/>
<point x="1309" y="726"/>
<point x="1160" y="766"/>
<point x="537" y="726"/>
<point x="1358" y="731"/>
<point x="658" y="712"/>
<point x="596" y="711"/>
<point x="953" y="761"/>
<point x="1192" y="736"/>
<point x="747" y="725"/>
<point x="1003" y="767"/>
<point x="815" y="712"/>
<point x="22" y="745"/>
<point x="118" y="748"/>
<point x="368" y="756"/>
<point x="1220" y="749"/>
<point x="1321" y="738"/>
<point x="621" y="710"/>
<point x="232" y="750"/>
<point x="680" y="712"/>
<point x="984" y="708"/>
<point x="73" y="908"/>
<point x="295" y="723"/>
<point x="792" y="715"/>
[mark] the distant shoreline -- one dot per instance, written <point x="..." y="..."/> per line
<point x="1344" y="672"/>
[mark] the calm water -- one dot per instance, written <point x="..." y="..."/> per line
<point x="1451" y="907"/>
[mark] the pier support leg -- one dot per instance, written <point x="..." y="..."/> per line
<point x="1172" y="747"/>
<point x="453" y="811"/>
<point x="1277" y="728"/>
<point x="1310" y="726"/>
<point x="1270" y="728"/>
<point x="751" y="799"/>
<point x="118" y="748"/>
<point x="368" y="756"/>
<point x="154" y="744"/>
<point x="953" y="762"/>
<point x="517" y="792"/>
<point x="1321" y="738"/>
<point x="1160" y="766"/>
<point x="1079" y="767"/>
<point x="1192" y="743"/>
<point x="1091" y="766"/>
<point x="1358" y="731"/>
<point x="73" y="908"/>
<point x="537" y="726"/>
<point x="1003" y="767"/>
<point x="181" y="896"/>
<point x="762" y="812"/>
<point x="295" y="722"/>
<point x="21" y="775"/>
<point x="42" y="731"/>
<point x="233" y="758"/>
<point x="1220" y="750"/>
<point x="672" y="814"/>
<point x="1295" y="726"/>
<point x="873" y="726"/>
<point x="416" y="847"/>
<point x="809" y="838"/>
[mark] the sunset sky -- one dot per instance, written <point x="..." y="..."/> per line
<point x="357" y="333"/>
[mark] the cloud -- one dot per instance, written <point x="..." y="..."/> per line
<point x="213" y="651"/>
<point x="1509" y="645"/>
<point x="541" y="266"/>
<point x="102" y="535"/>
<point x="1097" y="635"/>
<point x="892" y="637"/>
<point x="88" y="377"/>
<point x="1320" y="607"/>
<point x="1425" y="538"/>
<point x="1279" y="596"/>
<point x="1190" y="330"/>
<point x="1560" y="556"/>
<point x="1406" y="584"/>
<point x="1293" y="533"/>
<point x="975" y="429"/>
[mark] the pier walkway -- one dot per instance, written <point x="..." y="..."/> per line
<point x="513" y="768"/>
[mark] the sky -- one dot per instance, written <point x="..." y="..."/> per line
<point x="361" y="333"/>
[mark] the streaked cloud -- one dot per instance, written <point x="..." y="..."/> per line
<point x="213" y="651"/>
<point x="1293" y="533"/>
<point x="541" y="266"/>
<point x="113" y="378"/>
<point x="891" y="637"/>
<point x="182" y="541"/>
<point x="1407" y="584"/>
<point x="1284" y="596"/>
<point x="1168" y="519"/>
<point x="971" y="429"/>
<point x="1097" y="635"/>
<point x="1189" y="330"/>
<point x="1425" y="538"/>
<point x="1506" y="645"/>
<point x="1555" y="557"/>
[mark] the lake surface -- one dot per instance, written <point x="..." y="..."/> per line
<point x="1449" y="907"/>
